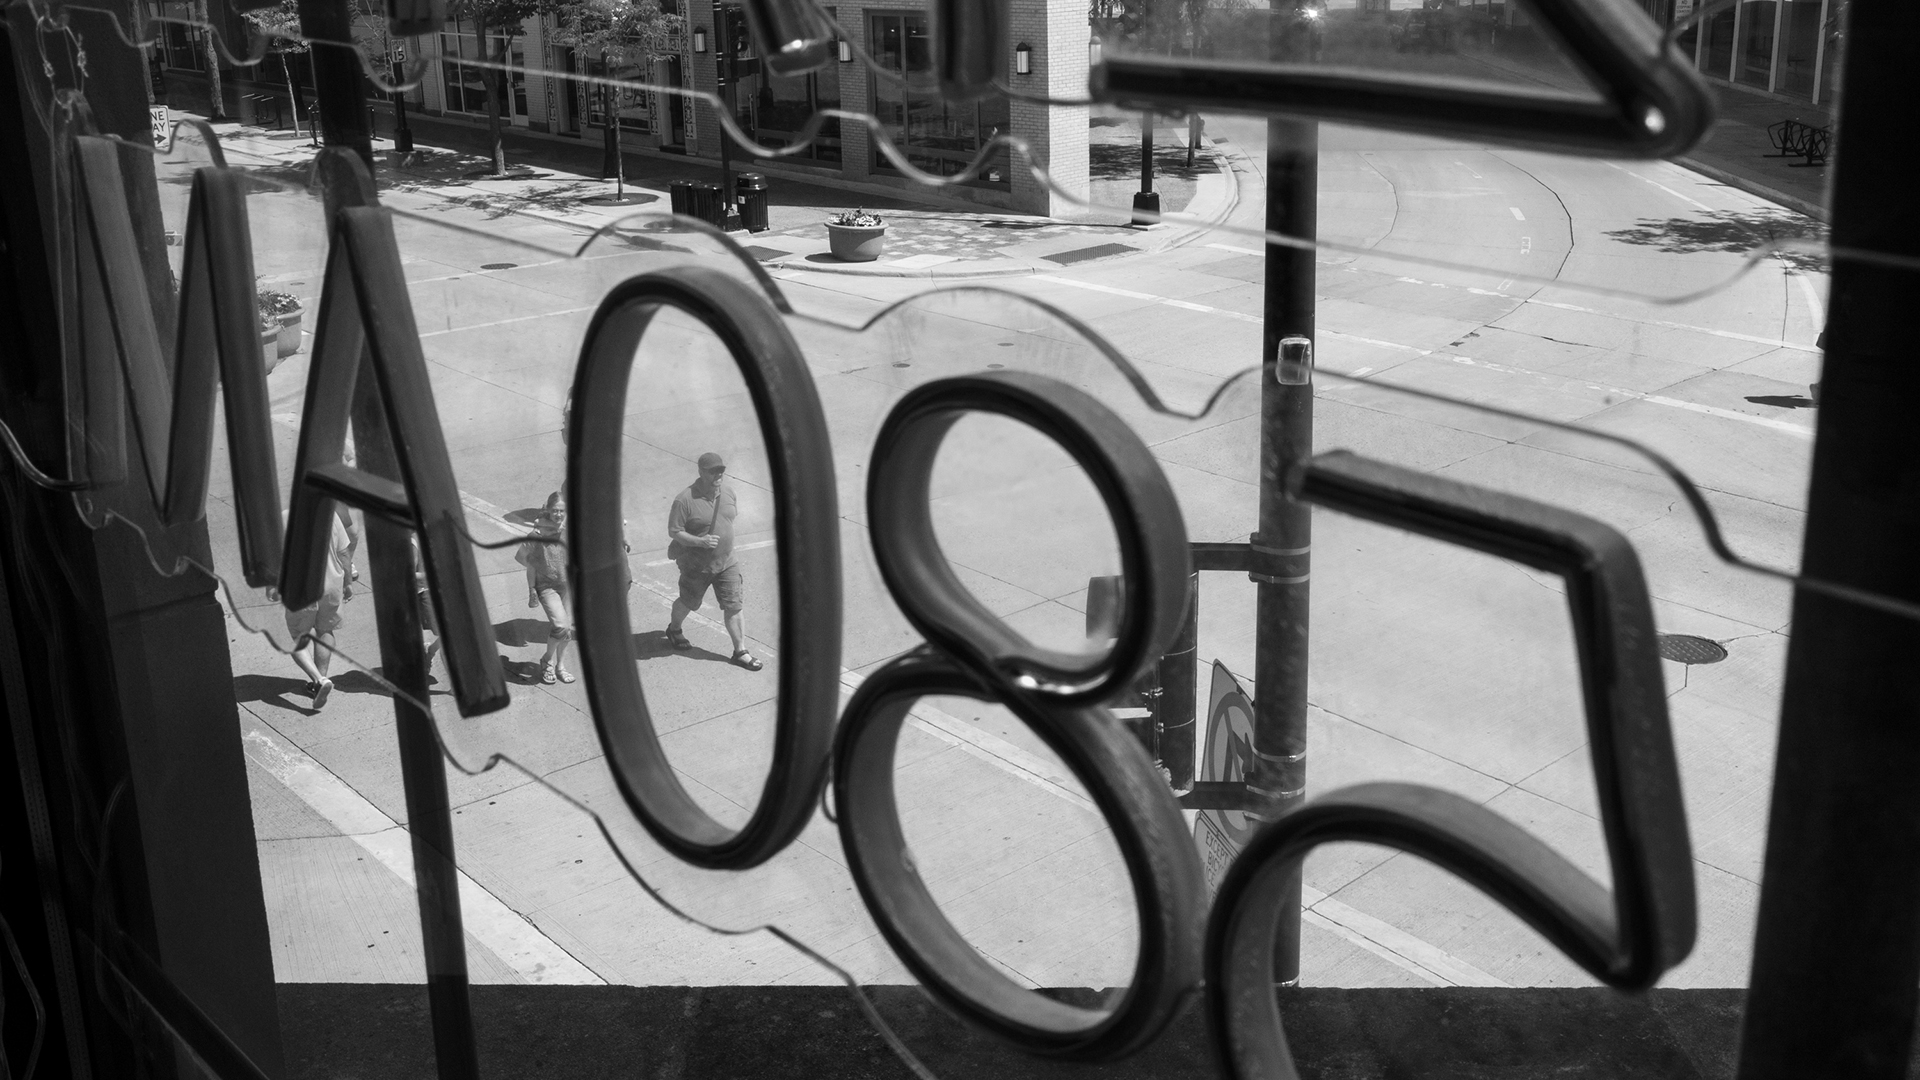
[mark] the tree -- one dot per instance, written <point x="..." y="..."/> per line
<point x="619" y="33"/>
<point x="281" y="22"/>
<point x="504" y="19"/>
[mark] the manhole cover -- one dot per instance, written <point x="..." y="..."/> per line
<point x="1687" y="649"/>
<point x="498" y="266"/>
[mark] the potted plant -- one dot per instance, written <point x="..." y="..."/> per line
<point x="856" y="236"/>
<point x="283" y="310"/>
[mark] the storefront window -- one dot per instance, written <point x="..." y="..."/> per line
<point x="1800" y="50"/>
<point x="785" y="105"/>
<point x="938" y="136"/>
<point x="1832" y="55"/>
<point x="465" y="84"/>
<point x="1756" y="42"/>
<point x="182" y="46"/>
<point x="629" y="104"/>
<point x="1716" y="57"/>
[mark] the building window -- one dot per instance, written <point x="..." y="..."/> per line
<point x="937" y="136"/>
<point x="785" y="105"/>
<point x="1756" y="46"/>
<point x="466" y="84"/>
<point x="629" y="104"/>
<point x="182" y="46"/>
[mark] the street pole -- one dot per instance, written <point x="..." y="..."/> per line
<point x="402" y="134"/>
<point x="727" y="99"/>
<point x="1281" y="549"/>
<point x="1146" y="202"/>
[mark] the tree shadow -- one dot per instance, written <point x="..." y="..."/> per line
<point x="1121" y="161"/>
<point x="1732" y="231"/>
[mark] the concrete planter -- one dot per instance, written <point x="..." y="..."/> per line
<point x="856" y="243"/>
<point x="289" y="337"/>
<point x="270" y="353"/>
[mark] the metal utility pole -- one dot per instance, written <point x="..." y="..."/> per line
<point x="729" y="60"/>
<point x="1146" y="202"/>
<point x="1281" y="548"/>
<point x="402" y="134"/>
<point x="1836" y="959"/>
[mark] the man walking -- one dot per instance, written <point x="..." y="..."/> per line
<point x="700" y="535"/>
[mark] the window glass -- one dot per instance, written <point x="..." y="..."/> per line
<point x="937" y="136"/>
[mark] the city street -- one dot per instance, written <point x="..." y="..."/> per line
<point x="1429" y="663"/>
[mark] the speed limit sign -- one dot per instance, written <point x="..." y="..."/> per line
<point x="399" y="56"/>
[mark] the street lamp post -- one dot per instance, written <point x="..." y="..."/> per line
<point x="402" y="134"/>
<point x="1146" y="202"/>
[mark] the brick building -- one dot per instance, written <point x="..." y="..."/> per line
<point x="936" y="136"/>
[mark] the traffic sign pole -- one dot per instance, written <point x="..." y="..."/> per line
<point x="1282" y="547"/>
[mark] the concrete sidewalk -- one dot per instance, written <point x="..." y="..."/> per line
<point x="558" y="181"/>
<point x="1737" y="151"/>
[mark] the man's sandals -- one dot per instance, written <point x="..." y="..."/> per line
<point x="677" y="638"/>
<point x="747" y="660"/>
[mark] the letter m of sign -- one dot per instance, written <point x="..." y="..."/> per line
<point x="117" y="368"/>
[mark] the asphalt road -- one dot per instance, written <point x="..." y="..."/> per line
<point x="1429" y="663"/>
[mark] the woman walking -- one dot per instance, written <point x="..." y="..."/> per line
<point x="544" y="554"/>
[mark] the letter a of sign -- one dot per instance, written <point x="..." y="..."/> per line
<point x="119" y="360"/>
<point x="364" y="310"/>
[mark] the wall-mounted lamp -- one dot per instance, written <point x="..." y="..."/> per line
<point x="699" y="39"/>
<point x="846" y="51"/>
<point x="1023" y="59"/>
<point x="1093" y="51"/>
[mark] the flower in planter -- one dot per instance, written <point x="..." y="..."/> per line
<point x="859" y="219"/>
<point x="274" y="303"/>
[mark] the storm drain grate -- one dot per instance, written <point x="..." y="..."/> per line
<point x="1687" y="649"/>
<point x="498" y="266"/>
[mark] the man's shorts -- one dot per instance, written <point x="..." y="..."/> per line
<point x="316" y="619"/>
<point x="729" y="589"/>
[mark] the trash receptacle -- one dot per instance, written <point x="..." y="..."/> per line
<point x="680" y="196"/>
<point x="753" y="201"/>
<point x="708" y="205"/>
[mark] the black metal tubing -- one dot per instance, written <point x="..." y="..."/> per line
<point x="1146" y="519"/>
<point x="1653" y="103"/>
<point x="807" y="530"/>
<point x="364" y="310"/>
<point x="1626" y="938"/>
<point x="217" y="340"/>
<point x="1131" y="796"/>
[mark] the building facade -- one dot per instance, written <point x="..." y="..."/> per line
<point x="933" y="135"/>
<point x="1786" y="47"/>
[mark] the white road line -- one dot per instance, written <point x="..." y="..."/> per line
<point x="1517" y="215"/>
<point x="1652" y="399"/>
<point x="1725" y="414"/>
<point x="1646" y="180"/>
<point x="509" y="935"/>
<point x="504" y="322"/>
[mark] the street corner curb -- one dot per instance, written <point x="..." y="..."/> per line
<point x="1752" y="187"/>
<point x="959" y="269"/>
<point x="1211" y="217"/>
